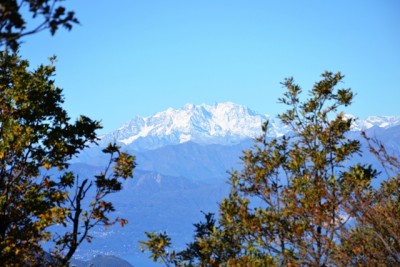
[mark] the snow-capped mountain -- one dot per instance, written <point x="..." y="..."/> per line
<point x="374" y="121"/>
<point x="222" y="123"/>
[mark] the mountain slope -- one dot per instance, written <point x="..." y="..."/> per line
<point x="101" y="261"/>
<point x="152" y="202"/>
<point x="207" y="163"/>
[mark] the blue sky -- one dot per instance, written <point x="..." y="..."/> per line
<point x="131" y="57"/>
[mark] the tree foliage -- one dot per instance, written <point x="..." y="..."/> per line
<point x="38" y="192"/>
<point x="45" y="14"/>
<point x="375" y="240"/>
<point x="297" y="201"/>
<point x="36" y="138"/>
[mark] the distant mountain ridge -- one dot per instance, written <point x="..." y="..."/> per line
<point x="222" y="123"/>
<point x="101" y="261"/>
<point x="374" y="121"/>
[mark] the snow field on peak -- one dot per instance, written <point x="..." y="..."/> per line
<point x="200" y="123"/>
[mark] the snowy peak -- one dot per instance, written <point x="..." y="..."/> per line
<point x="374" y="121"/>
<point x="221" y="123"/>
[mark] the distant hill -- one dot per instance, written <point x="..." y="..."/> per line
<point x="101" y="261"/>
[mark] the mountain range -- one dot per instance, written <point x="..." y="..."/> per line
<point x="184" y="157"/>
<point x="222" y="123"/>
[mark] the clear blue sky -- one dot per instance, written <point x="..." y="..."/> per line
<point x="132" y="57"/>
